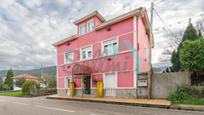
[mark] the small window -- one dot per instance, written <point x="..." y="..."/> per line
<point x="86" y="53"/>
<point x="90" y="25"/>
<point x="69" y="58"/>
<point x="110" y="47"/>
<point x="82" y="29"/>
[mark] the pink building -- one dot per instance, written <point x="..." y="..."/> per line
<point x="116" y="52"/>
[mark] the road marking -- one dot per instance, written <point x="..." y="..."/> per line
<point x="58" y="109"/>
<point x="19" y="103"/>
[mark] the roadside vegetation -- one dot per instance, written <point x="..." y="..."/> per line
<point x="189" y="56"/>
<point x="14" y="94"/>
<point x="188" y="95"/>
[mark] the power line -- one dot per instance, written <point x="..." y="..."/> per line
<point x="149" y="9"/>
<point x="164" y="23"/>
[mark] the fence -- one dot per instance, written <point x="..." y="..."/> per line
<point x="110" y="92"/>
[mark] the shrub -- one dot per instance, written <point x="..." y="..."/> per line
<point x="187" y="95"/>
<point x="6" y="87"/>
<point x="29" y="87"/>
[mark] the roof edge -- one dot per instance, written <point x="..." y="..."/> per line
<point x="65" y="40"/>
<point x="95" y="13"/>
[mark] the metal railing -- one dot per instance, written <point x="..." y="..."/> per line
<point x="110" y="92"/>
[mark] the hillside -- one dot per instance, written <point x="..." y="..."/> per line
<point x="51" y="71"/>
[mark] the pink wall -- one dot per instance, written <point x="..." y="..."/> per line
<point x="144" y="48"/>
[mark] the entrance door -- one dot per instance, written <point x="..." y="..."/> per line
<point x="87" y="85"/>
<point x="68" y="81"/>
<point x="110" y="84"/>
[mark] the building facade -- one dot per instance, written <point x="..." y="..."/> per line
<point x="116" y="52"/>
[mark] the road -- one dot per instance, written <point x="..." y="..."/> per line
<point x="43" y="106"/>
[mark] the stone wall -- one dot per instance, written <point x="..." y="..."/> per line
<point x="163" y="84"/>
<point x="61" y="92"/>
<point x="126" y="93"/>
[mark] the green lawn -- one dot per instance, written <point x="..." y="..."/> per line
<point x="15" y="94"/>
<point x="191" y="101"/>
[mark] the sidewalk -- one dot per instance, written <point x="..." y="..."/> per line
<point x="136" y="102"/>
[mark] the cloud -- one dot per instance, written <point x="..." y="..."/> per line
<point x="28" y="28"/>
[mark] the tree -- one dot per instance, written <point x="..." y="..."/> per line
<point x="192" y="59"/>
<point x="176" y="64"/>
<point x="9" y="80"/>
<point x="19" y="82"/>
<point x="200" y="34"/>
<point x="189" y="34"/>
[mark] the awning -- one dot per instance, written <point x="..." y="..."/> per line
<point x="80" y="69"/>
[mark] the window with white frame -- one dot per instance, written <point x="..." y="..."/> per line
<point x="110" y="47"/>
<point x="82" y="29"/>
<point x="86" y="53"/>
<point x="69" y="58"/>
<point x="90" y="25"/>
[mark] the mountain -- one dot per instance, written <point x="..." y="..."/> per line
<point x="50" y="71"/>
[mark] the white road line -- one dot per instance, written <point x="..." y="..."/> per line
<point x="58" y="109"/>
<point x="19" y="103"/>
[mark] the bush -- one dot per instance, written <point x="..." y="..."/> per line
<point x="6" y="87"/>
<point x="187" y="95"/>
<point x="30" y="87"/>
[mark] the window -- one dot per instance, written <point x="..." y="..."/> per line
<point x="86" y="53"/>
<point x="90" y="25"/>
<point x="82" y="29"/>
<point x="110" y="47"/>
<point x="69" y="58"/>
<point x="110" y="80"/>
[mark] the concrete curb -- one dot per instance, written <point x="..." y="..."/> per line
<point x="112" y="102"/>
<point x="188" y="107"/>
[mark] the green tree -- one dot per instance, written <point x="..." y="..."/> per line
<point x="200" y="34"/>
<point x="9" y="80"/>
<point x="189" y="34"/>
<point x="192" y="59"/>
<point x="19" y="82"/>
<point x="192" y="55"/>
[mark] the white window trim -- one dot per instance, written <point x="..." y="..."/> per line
<point x="102" y="46"/>
<point x="87" y="29"/>
<point x="65" y="57"/>
<point x="81" y="59"/>
<point x="83" y="24"/>
<point x="116" y="78"/>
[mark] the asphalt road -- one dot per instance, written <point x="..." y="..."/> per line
<point x="43" y="106"/>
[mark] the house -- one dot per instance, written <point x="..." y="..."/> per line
<point x="116" y="52"/>
<point x="20" y="79"/>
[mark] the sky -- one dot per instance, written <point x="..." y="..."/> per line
<point x="28" y="28"/>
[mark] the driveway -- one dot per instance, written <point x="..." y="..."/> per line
<point x="43" y="106"/>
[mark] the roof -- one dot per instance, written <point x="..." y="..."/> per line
<point x="95" y="13"/>
<point x="65" y="40"/>
<point x="120" y="18"/>
<point x="24" y="76"/>
<point x="137" y="12"/>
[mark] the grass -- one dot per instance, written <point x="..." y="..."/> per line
<point x="14" y="94"/>
<point x="191" y="101"/>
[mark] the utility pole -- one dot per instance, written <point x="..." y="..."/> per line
<point x="150" y="64"/>
<point x="42" y="72"/>
<point x="152" y="8"/>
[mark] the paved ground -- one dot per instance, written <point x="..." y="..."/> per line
<point x="144" y="102"/>
<point x="42" y="106"/>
